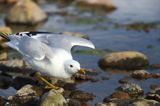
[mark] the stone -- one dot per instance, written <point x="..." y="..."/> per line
<point x="142" y="74"/>
<point x="8" y="1"/>
<point x="154" y="95"/>
<point x="6" y="30"/>
<point x="3" y="56"/>
<point x="27" y="95"/>
<point x="25" y="12"/>
<point x="53" y="98"/>
<point x="82" y="95"/>
<point x="144" y="102"/>
<point x="2" y="101"/>
<point x="127" y="60"/>
<point x="5" y="81"/>
<point x="13" y="63"/>
<point x="120" y="95"/>
<point x="106" y="104"/>
<point x="132" y="89"/>
<point x="105" y="5"/>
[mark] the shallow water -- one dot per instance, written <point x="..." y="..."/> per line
<point x="103" y="33"/>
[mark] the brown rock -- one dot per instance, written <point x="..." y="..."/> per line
<point x="27" y="95"/>
<point x="106" y="5"/>
<point x="81" y="95"/>
<point x="3" y="56"/>
<point x="8" y="1"/>
<point x="120" y="95"/>
<point x="6" y="30"/>
<point x="2" y="101"/>
<point x="144" y="102"/>
<point x="129" y="60"/>
<point x="25" y="12"/>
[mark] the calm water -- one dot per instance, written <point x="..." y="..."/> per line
<point x="104" y="35"/>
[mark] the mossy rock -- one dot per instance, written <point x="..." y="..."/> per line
<point x="128" y="60"/>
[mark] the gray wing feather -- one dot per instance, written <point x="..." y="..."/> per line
<point x="63" y="41"/>
<point x="31" y="48"/>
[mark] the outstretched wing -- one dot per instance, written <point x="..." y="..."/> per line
<point x="59" y="40"/>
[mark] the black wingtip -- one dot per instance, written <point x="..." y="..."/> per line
<point x="5" y="36"/>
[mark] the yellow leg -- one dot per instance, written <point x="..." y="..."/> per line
<point x="49" y="85"/>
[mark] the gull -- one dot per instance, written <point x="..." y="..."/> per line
<point x="47" y="52"/>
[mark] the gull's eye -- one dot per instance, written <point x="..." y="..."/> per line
<point x="71" y="66"/>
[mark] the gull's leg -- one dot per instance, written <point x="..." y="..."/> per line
<point x="49" y="85"/>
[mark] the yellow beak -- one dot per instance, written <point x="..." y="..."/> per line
<point x="82" y="71"/>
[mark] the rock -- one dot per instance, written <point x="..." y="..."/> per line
<point x="106" y="104"/>
<point x="105" y="5"/>
<point x="128" y="60"/>
<point x="142" y="74"/>
<point x="27" y="95"/>
<point x="120" y="95"/>
<point x="21" y="81"/>
<point x="3" y="56"/>
<point x="25" y="12"/>
<point x="53" y="98"/>
<point x="124" y="80"/>
<point x="5" y="81"/>
<point x="13" y="63"/>
<point x="82" y="96"/>
<point x="8" y="1"/>
<point x="2" y="102"/>
<point x="73" y="102"/>
<point x="132" y="89"/>
<point x="144" y="102"/>
<point x="155" y="86"/>
<point x="5" y="93"/>
<point x="6" y="30"/>
<point x="76" y="34"/>
<point x="154" y="95"/>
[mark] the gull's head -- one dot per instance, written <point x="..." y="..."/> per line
<point x="71" y="66"/>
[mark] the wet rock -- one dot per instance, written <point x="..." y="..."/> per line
<point x="27" y="95"/>
<point x="3" y="56"/>
<point x="144" y="102"/>
<point x="5" y="81"/>
<point x="132" y="89"/>
<point x="130" y="60"/>
<point x="155" y="86"/>
<point x="25" y="12"/>
<point x="5" y="93"/>
<point x="120" y="95"/>
<point x="106" y="104"/>
<point x="103" y="5"/>
<point x="154" y="95"/>
<point x="2" y="102"/>
<point x="21" y="81"/>
<point x="124" y="80"/>
<point x="84" y="77"/>
<point x="142" y="74"/>
<point x="82" y="95"/>
<point x="53" y="98"/>
<point x="8" y="1"/>
<point x="13" y="63"/>
<point x="76" y="34"/>
<point x="73" y="102"/>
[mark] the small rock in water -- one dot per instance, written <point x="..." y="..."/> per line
<point x="82" y="96"/>
<point x="25" y="12"/>
<point x="27" y="95"/>
<point x="155" y="86"/>
<point x="124" y="80"/>
<point x="53" y="98"/>
<point x="132" y="89"/>
<point x="5" y="81"/>
<point x="142" y="74"/>
<point x="154" y="95"/>
<point x="103" y="5"/>
<point x="106" y="104"/>
<point x="21" y="81"/>
<point x="144" y="102"/>
<point x="120" y="95"/>
<point x="2" y="101"/>
<point x="129" y="60"/>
